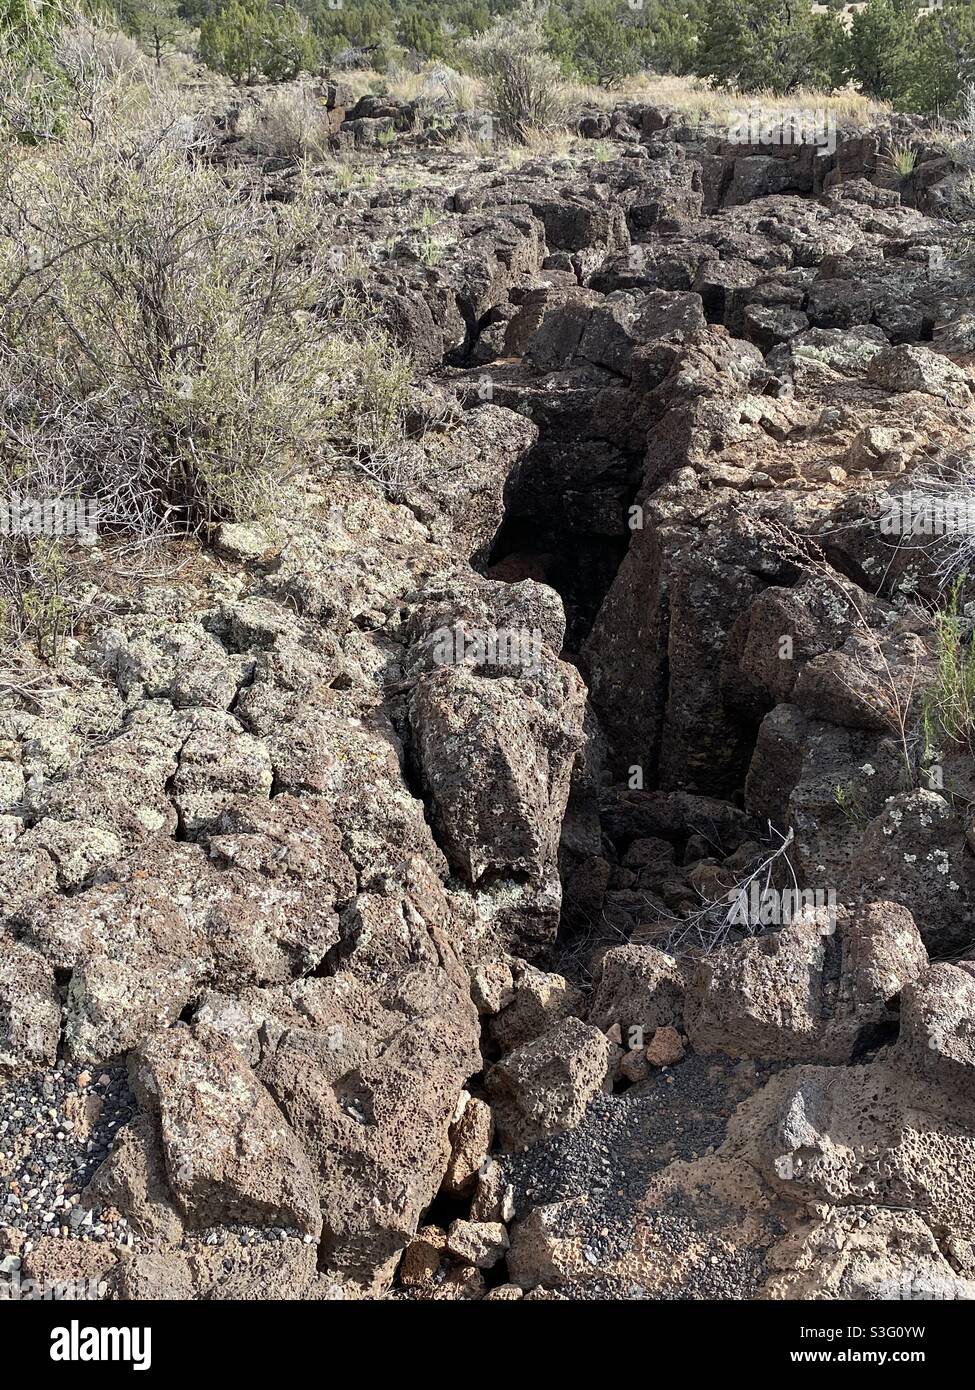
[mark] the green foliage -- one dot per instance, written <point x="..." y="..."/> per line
<point x="27" y="28"/>
<point x="429" y="31"/>
<point x="156" y="24"/>
<point x="33" y="88"/>
<point x="522" y="79"/>
<point x="943" y="61"/>
<point x="948" y="708"/>
<point x="903" y="160"/>
<point x="673" y="38"/>
<point x="849" y="798"/>
<point x="603" y="41"/>
<point x="770" y="45"/>
<point x="591" y="40"/>
<point x="247" y="39"/>
<point x="917" y="59"/>
<point x="881" y="47"/>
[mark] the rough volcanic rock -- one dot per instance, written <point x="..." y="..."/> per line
<point x="544" y="1086"/>
<point x="230" y="1154"/>
<point x="369" y="1079"/>
<point x="30" y="1008"/>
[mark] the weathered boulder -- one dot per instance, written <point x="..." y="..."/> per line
<point x="864" y="1253"/>
<point x="641" y="988"/>
<point x="870" y="1135"/>
<point x="544" y="1086"/>
<point x="369" y="1078"/>
<point x="912" y="368"/>
<point x="30" y="1008"/>
<point x="761" y="996"/>
<point x="817" y="989"/>
<point x="937" y="1034"/>
<point x="480" y="1243"/>
<point x="521" y="733"/>
<point x="470" y="1143"/>
<point x="541" y="999"/>
<point x="133" y="1180"/>
<point x="217" y="763"/>
<point x="230" y="1154"/>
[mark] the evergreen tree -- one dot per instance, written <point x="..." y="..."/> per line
<point x="777" y="45"/>
<point x="156" y="24"/>
<point x="881" y="47"/>
<point x="247" y="39"/>
<point x="943" y="65"/>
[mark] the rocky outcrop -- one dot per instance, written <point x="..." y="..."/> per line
<point x="389" y="866"/>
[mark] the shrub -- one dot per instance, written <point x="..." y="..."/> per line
<point x="32" y="86"/>
<point x="591" y="41"/>
<point x="291" y="123"/>
<point x="173" y="347"/>
<point x="773" y="45"/>
<point x="903" y="160"/>
<point x="943" y="63"/>
<point x="671" y="38"/>
<point x="247" y="39"/>
<point x="157" y="24"/>
<point x="881" y="47"/>
<point x="161" y="345"/>
<point x="522" y="81"/>
<point x="372" y="405"/>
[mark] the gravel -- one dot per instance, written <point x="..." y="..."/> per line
<point x="56" y="1128"/>
<point x="680" y="1113"/>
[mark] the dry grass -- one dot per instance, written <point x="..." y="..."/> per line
<point x="693" y="96"/>
<point x="536" y="143"/>
<point x="437" y="83"/>
<point x="698" y="100"/>
<point x="360" y="81"/>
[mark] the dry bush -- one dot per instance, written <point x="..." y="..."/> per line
<point x="84" y="48"/>
<point x="157" y="339"/>
<point x="168" y="341"/>
<point x="729" y="916"/>
<point x="522" y="83"/>
<point x="86" y="72"/>
<point x="290" y="122"/>
<point x="376" y="428"/>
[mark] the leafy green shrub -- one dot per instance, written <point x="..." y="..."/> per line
<point x="881" y="46"/>
<point x="671" y="37"/>
<point x="943" y="64"/>
<point x="591" y="41"/>
<point x="247" y="39"/>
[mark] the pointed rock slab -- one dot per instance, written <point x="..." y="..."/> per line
<point x="497" y="756"/>
<point x="230" y="1154"/>
<point x="369" y="1074"/>
<point x="30" y="1010"/>
<point x="545" y="1086"/>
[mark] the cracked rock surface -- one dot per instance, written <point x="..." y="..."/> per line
<point x="333" y="969"/>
